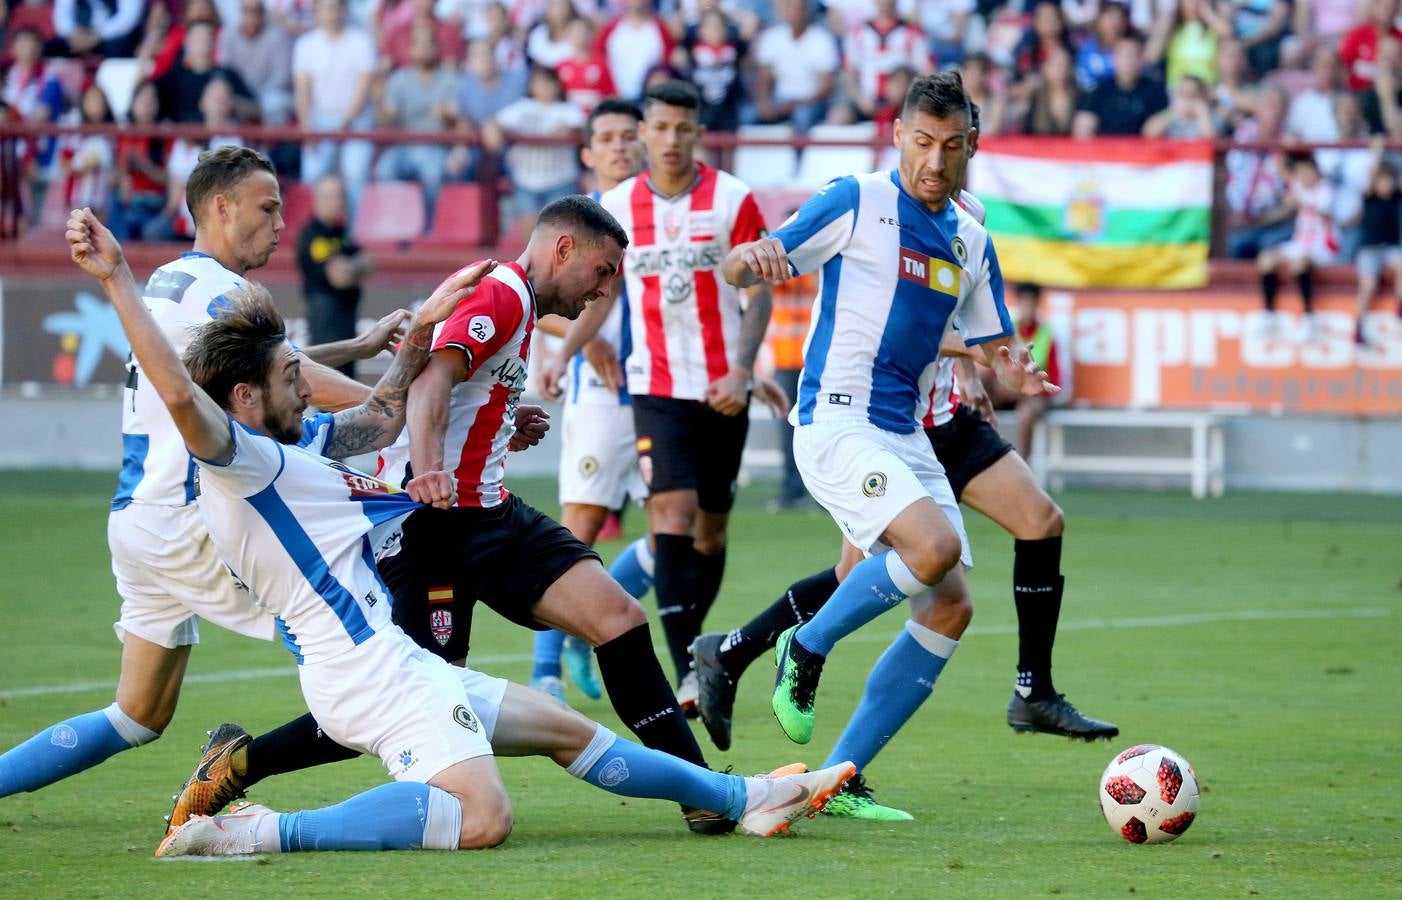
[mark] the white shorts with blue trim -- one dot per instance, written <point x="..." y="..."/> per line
<point x="395" y="700"/>
<point x="865" y="476"/>
<point x="599" y="456"/>
<point x="169" y="576"/>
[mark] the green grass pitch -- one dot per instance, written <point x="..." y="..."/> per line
<point x="1259" y="635"/>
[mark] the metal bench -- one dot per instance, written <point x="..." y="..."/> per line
<point x="1203" y="465"/>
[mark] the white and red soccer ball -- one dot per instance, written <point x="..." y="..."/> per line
<point x="1149" y="794"/>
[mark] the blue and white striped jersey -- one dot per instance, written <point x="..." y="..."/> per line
<point x="156" y="468"/>
<point x="893" y="278"/>
<point x="301" y="531"/>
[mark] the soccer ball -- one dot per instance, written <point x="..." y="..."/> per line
<point x="1149" y="794"/>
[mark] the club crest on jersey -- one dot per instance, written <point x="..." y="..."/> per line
<point x="441" y="621"/>
<point x="672" y="225"/>
<point x="929" y="271"/>
<point x="961" y="252"/>
<point x="874" y="485"/>
<point x="588" y="466"/>
<point x="464" y="717"/>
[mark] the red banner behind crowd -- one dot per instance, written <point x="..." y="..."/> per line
<point x="1216" y="349"/>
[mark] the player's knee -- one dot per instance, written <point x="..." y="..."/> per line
<point x="935" y="555"/>
<point x="708" y="543"/>
<point x="1044" y="520"/>
<point x="617" y="616"/>
<point x="487" y="824"/>
<point x="151" y="714"/>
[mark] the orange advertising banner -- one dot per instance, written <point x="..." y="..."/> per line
<point x="1217" y="349"/>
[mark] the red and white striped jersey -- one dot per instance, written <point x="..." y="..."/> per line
<point x="938" y="392"/>
<point x="685" y="318"/>
<point x="492" y="328"/>
<point x="873" y="53"/>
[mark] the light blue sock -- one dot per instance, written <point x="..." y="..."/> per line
<point x="899" y="682"/>
<point x="546" y="660"/>
<point x="68" y="748"/>
<point x="874" y="586"/>
<point x="633" y="568"/>
<point x="401" y="815"/>
<point x="622" y="767"/>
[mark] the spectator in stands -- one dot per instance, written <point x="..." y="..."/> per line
<point x="714" y="53"/>
<point x="397" y="32"/>
<point x="1258" y="215"/>
<point x="96" y="28"/>
<point x="1381" y="237"/>
<point x="1123" y="104"/>
<point x="541" y="174"/>
<point x="1260" y="26"/>
<point x="1188" y="114"/>
<point x="897" y="86"/>
<point x="797" y="69"/>
<point x="871" y="52"/>
<point x="1036" y="334"/>
<point x="469" y="15"/>
<point x="1051" y="108"/>
<point x="421" y="97"/>
<point x="260" y="53"/>
<point x="1349" y="170"/>
<point x="1234" y="96"/>
<point x="333" y="268"/>
<point x="1324" y="22"/>
<point x="1187" y="41"/>
<point x="1095" y="58"/>
<point x="483" y="91"/>
<point x="164" y="40"/>
<point x="35" y="96"/>
<point x="946" y="24"/>
<point x="1311" y="116"/>
<point x="510" y="52"/>
<point x="585" y="75"/>
<point x="1048" y="30"/>
<point x="1358" y="50"/>
<point x="87" y="160"/>
<point x="296" y="17"/>
<point x="1383" y="97"/>
<point x="24" y="15"/>
<point x="983" y="81"/>
<point x="634" y="42"/>
<point x="549" y="44"/>
<point x="141" y="170"/>
<point x="182" y="88"/>
<point x="217" y="111"/>
<point x="331" y="69"/>
<point x="1313" y="242"/>
<point x="739" y="16"/>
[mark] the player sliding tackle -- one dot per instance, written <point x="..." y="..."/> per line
<point x="299" y="529"/>
<point x="900" y="265"/>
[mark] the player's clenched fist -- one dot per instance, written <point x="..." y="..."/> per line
<point x="91" y="245"/>
<point x="434" y="488"/>
<point x="768" y="259"/>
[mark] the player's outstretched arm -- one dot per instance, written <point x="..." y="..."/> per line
<point x="377" y="422"/>
<point x="750" y="263"/>
<point x="202" y="424"/>
<point x="383" y="335"/>
<point x="581" y="332"/>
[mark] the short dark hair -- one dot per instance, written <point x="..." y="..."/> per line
<point x="615" y="106"/>
<point x="238" y="345"/>
<point x="1029" y="290"/>
<point x="577" y="213"/>
<point x="973" y="115"/>
<point x="940" y="95"/>
<point x="220" y="172"/>
<point x="673" y="92"/>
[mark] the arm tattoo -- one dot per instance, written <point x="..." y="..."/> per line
<point x="753" y="324"/>
<point x="377" y="422"/>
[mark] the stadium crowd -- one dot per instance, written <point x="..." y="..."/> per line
<point x="1315" y="71"/>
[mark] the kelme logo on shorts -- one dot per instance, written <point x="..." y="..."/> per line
<point x="874" y="485"/>
<point x="464" y="717"/>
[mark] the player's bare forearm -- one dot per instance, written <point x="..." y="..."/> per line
<point x="202" y="424"/>
<point x="428" y="409"/>
<point x="331" y="390"/>
<point x="376" y="423"/>
<point x="965" y="369"/>
<point x="952" y="344"/>
<point x="553" y="325"/>
<point x="334" y="353"/>
<point x="754" y="322"/>
<point x="583" y="329"/>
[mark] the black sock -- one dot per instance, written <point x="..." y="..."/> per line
<point x="1306" y="282"/>
<point x="799" y="603"/>
<point x="674" y="580"/>
<point x="297" y="745"/>
<point x="710" y="570"/>
<point x="1037" y="585"/>
<point x="1269" y="282"/>
<point x="641" y="696"/>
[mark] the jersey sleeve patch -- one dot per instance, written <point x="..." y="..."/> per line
<point x="482" y="324"/>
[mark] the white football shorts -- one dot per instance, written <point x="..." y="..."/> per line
<point x="865" y="476"/>
<point x="599" y="456"/>
<point x="393" y="699"/>
<point x="168" y="573"/>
